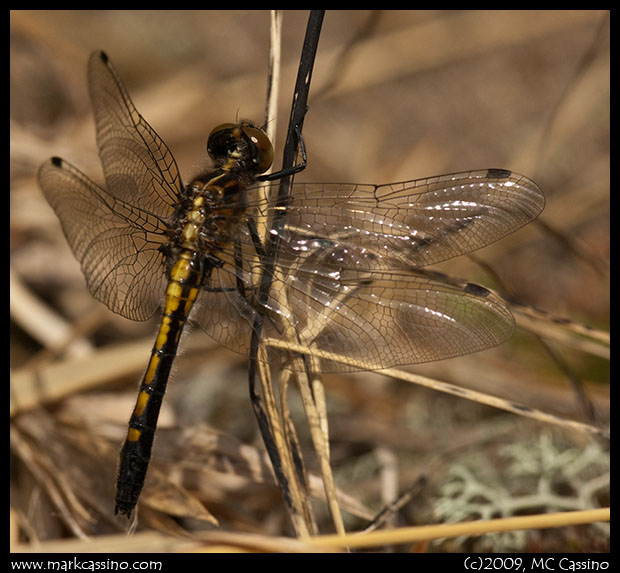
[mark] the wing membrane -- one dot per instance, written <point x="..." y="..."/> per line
<point x="414" y="223"/>
<point x="116" y="243"/>
<point x="138" y="166"/>
<point x="395" y="318"/>
<point x="116" y="232"/>
<point x="379" y="318"/>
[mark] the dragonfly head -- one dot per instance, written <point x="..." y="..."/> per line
<point x="241" y="145"/>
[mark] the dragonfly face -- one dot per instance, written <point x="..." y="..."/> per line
<point x="348" y="286"/>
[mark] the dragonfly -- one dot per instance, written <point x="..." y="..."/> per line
<point x="350" y="283"/>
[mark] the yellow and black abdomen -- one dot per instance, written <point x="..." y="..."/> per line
<point x="213" y="210"/>
<point x="183" y="287"/>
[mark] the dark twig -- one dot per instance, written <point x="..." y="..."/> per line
<point x="298" y="111"/>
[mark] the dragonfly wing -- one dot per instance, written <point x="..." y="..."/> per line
<point x="414" y="223"/>
<point x="138" y="166"/>
<point x="348" y="277"/>
<point x="377" y="319"/>
<point x="116" y="243"/>
<point x="337" y="300"/>
<point x="226" y="307"/>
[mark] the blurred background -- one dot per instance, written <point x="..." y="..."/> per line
<point x="395" y="95"/>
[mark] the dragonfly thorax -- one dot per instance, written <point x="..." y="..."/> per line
<point x="208" y="216"/>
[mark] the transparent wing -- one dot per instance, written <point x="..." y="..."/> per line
<point x="138" y="166"/>
<point x="115" y="242"/>
<point x="413" y="223"/>
<point x="383" y="319"/>
<point x="347" y="277"/>
<point x="116" y="232"/>
<point x="375" y="318"/>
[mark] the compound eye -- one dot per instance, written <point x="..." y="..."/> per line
<point x="220" y="140"/>
<point x="264" y="149"/>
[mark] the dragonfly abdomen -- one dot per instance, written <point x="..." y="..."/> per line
<point x="186" y="278"/>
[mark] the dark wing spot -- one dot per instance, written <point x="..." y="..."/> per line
<point x="499" y="173"/>
<point x="477" y="290"/>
